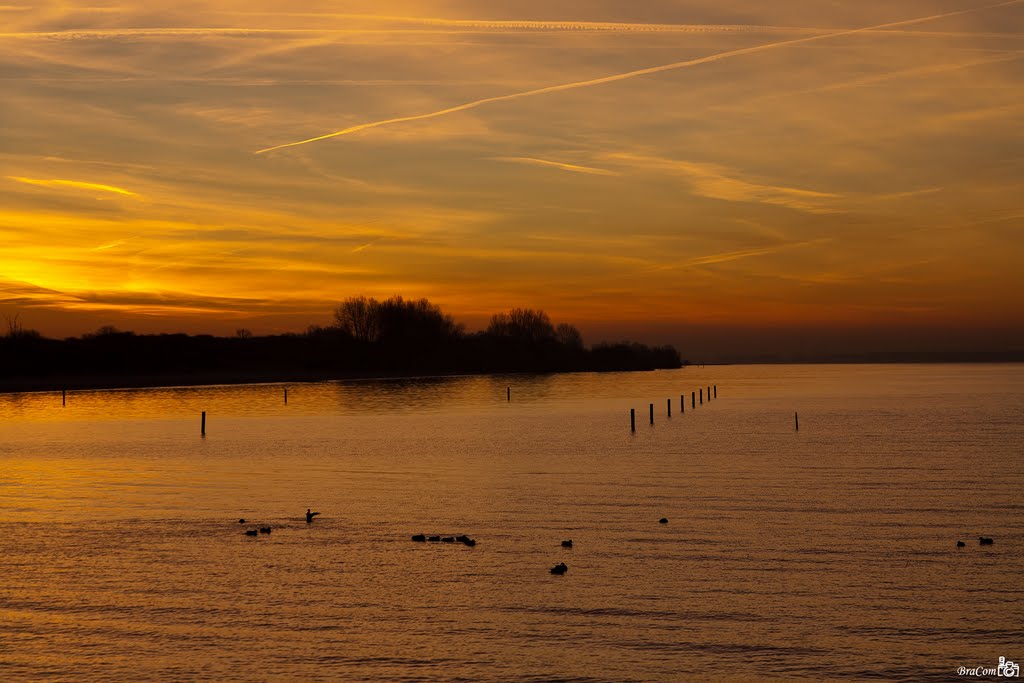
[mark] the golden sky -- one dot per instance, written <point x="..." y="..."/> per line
<point x="639" y="168"/>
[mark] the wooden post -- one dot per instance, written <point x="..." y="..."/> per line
<point x="670" y="407"/>
<point x="63" y="397"/>
<point x="632" y="419"/>
<point x="709" y="393"/>
<point x="693" y="399"/>
<point x="508" y="394"/>
<point x="202" y="425"/>
<point x="796" y="419"/>
<point x="716" y="391"/>
<point x="682" y="403"/>
<point x="286" y="395"/>
<point x="652" y="413"/>
<point x="701" y="396"/>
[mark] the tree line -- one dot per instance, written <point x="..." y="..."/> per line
<point x="367" y="337"/>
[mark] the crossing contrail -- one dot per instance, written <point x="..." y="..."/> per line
<point x="631" y="74"/>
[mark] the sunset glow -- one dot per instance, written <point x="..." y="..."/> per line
<point x="655" y="170"/>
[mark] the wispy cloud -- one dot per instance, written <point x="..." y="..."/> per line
<point x="74" y="184"/>
<point x="575" y="168"/>
<point x="672" y="66"/>
<point x="718" y="182"/>
<point x="724" y="257"/>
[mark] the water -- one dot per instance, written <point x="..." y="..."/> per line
<point x="827" y="553"/>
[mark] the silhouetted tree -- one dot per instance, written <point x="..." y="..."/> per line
<point x="569" y="337"/>
<point x="525" y="324"/>
<point x="359" y="317"/>
<point x="15" y="330"/>
<point x="415" y="320"/>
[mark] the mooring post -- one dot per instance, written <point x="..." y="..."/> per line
<point x="796" y="419"/>
<point x="716" y="391"/>
<point x="682" y="403"/>
<point x="701" y="396"/>
<point x="202" y="425"/>
<point x="286" y="395"/>
<point x="669" y="407"/>
<point x="693" y="399"/>
<point x="652" y="413"/>
<point x="709" y="393"/>
<point x="508" y="393"/>
<point x="632" y="419"/>
<point x="63" y="397"/>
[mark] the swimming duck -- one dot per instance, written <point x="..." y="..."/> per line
<point x="419" y="538"/>
<point x="663" y="520"/>
<point x="567" y="544"/>
<point x="559" y="568"/>
<point x="466" y="540"/>
<point x="448" y="539"/>
<point x="241" y="521"/>
<point x="435" y="539"/>
<point x="264" y="529"/>
<point x="982" y="540"/>
<point x="251" y="532"/>
<point x="960" y="544"/>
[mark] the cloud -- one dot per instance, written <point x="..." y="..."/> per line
<point x="74" y="184"/>
<point x="626" y="75"/>
<point x="718" y="182"/>
<point x="724" y="257"/>
<point x="557" y="164"/>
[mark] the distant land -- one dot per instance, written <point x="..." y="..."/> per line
<point x="370" y="338"/>
<point x="867" y="357"/>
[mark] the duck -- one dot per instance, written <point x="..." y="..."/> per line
<point x="663" y="520"/>
<point x="241" y="521"/>
<point x="448" y="539"/>
<point x="559" y="568"/>
<point x="251" y="532"/>
<point x="960" y="544"/>
<point x="462" y="539"/>
<point x="419" y="538"/>
<point x="467" y="541"/>
<point x="434" y="539"/>
<point x="567" y="544"/>
<point x="982" y="540"/>
<point x="265" y="529"/>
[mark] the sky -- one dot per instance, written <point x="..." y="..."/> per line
<point x="730" y="176"/>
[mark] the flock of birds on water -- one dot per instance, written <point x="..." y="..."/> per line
<point x="558" y="569"/>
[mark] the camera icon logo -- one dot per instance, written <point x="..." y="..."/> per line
<point x="1007" y="669"/>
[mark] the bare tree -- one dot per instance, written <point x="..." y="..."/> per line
<point x="569" y="336"/>
<point x="15" y="330"/>
<point x="359" y="317"/>
<point x="522" y="323"/>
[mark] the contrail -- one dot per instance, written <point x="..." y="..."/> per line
<point x="630" y="74"/>
<point x="575" y="168"/>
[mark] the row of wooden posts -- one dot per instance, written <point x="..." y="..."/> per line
<point x="694" y="397"/>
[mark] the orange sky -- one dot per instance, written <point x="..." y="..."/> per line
<point x="660" y="170"/>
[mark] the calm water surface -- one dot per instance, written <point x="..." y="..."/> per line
<point x="827" y="553"/>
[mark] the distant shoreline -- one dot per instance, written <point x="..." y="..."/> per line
<point x="194" y="379"/>
<point x="93" y="383"/>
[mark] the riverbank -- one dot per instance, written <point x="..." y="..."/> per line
<point x="155" y="381"/>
